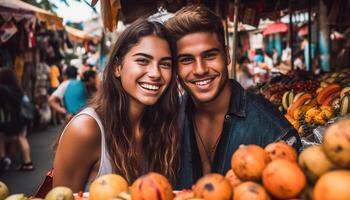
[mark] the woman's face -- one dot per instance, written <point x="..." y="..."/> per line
<point x="146" y="70"/>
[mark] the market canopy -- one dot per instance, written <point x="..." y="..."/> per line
<point x="77" y="35"/>
<point x="250" y="10"/>
<point x="18" y="7"/>
<point x="275" y="28"/>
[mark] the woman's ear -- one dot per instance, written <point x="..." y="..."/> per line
<point x="117" y="71"/>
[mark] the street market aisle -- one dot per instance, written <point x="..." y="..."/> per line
<point x="41" y="150"/>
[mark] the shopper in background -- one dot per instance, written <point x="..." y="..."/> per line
<point x="89" y="78"/>
<point x="55" y="76"/>
<point x="70" y="96"/>
<point x="245" y="74"/>
<point x="218" y="115"/>
<point x="299" y="60"/>
<point x="131" y="126"/>
<point x="12" y="123"/>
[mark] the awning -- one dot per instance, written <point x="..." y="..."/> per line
<point x="303" y="30"/>
<point x="17" y="6"/>
<point x="77" y="35"/>
<point x="275" y="28"/>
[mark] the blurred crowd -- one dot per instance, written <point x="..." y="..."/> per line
<point x="60" y="92"/>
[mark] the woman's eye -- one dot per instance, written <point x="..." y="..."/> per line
<point x="166" y="65"/>
<point x="142" y="61"/>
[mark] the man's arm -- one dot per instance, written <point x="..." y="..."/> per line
<point x="56" y="97"/>
<point x="56" y="105"/>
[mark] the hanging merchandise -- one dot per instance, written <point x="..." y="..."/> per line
<point x="19" y="67"/>
<point x="7" y="31"/>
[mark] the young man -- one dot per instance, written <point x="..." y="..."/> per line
<point x="218" y="114"/>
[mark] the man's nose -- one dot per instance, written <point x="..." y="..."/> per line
<point x="200" y="67"/>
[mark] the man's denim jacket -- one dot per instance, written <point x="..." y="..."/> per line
<point x="251" y="119"/>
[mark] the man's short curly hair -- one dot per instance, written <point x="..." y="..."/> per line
<point x="192" y="19"/>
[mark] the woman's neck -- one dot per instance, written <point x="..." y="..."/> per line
<point x="135" y="115"/>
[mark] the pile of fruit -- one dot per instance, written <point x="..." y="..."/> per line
<point x="275" y="172"/>
<point x="310" y="103"/>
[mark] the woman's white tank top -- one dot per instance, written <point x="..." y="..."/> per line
<point x="105" y="164"/>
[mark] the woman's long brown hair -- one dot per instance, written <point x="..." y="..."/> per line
<point x="159" y="123"/>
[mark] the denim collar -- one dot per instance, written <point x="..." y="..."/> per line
<point x="237" y="100"/>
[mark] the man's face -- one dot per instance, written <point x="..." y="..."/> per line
<point x="202" y="65"/>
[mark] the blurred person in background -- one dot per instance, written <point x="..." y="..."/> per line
<point x="12" y="124"/>
<point x="89" y="78"/>
<point x="55" y="76"/>
<point x="245" y="72"/>
<point x="299" y="60"/>
<point x="70" y="96"/>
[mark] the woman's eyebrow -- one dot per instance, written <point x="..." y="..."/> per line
<point x="144" y="55"/>
<point x="166" y="58"/>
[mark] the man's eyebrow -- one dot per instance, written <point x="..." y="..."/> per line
<point x="144" y="55"/>
<point x="184" y="55"/>
<point x="211" y="51"/>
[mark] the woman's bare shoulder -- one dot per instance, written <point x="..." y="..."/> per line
<point x="83" y="129"/>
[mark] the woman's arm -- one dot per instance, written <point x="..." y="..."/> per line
<point x="78" y="153"/>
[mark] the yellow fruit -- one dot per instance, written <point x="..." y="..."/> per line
<point x="336" y="143"/>
<point x="250" y="190"/>
<point x="60" y="193"/>
<point x="314" y="162"/>
<point x="234" y="180"/>
<point x="248" y="162"/>
<point x="311" y="114"/>
<point x="281" y="150"/>
<point x="334" y="185"/>
<point x="4" y="191"/>
<point x="283" y="179"/>
<point x="151" y="186"/>
<point x="213" y="187"/>
<point x="107" y="187"/>
<point x="17" y="197"/>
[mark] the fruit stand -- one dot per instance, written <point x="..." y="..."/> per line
<point x="308" y="101"/>
<point x="274" y="172"/>
<point x="277" y="171"/>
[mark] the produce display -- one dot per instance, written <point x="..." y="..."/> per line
<point x="275" y="172"/>
<point x="308" y="101"/>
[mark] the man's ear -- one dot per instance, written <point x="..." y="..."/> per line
<point x="117" y="71"/>
<point x="228" y="57"/>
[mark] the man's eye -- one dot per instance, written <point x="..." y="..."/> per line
<point x="209" y="56"/>
<point x="142" y="61"/>
<point x="185" y="60"/>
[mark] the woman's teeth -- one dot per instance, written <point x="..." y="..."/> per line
<point x="149" y="86"/>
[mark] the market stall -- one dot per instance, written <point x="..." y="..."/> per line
<point x="31" y="40"/>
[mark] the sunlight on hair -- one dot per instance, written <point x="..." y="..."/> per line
<point x="161" y="16"/>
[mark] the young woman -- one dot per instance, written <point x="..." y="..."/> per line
<point x="131" y="125"/>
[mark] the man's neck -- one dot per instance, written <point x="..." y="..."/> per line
<point x="218" y="106"/>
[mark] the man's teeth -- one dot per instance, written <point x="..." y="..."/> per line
<point x="204" y="82"/>
<point x="149" y="86"/>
